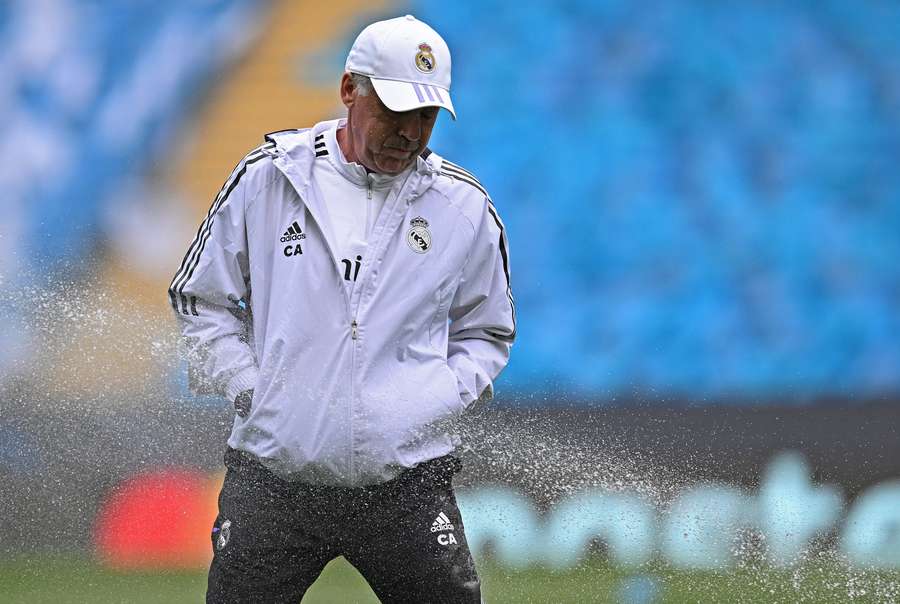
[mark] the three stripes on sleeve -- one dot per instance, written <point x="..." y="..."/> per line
<point x="451" y="170"/>
<point x="188" y="304"/>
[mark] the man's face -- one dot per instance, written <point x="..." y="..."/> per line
<point x="384" y="141"/>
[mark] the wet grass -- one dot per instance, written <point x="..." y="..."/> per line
<point x="76" y="580"/>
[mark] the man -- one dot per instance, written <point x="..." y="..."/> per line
<point x="349" y="292"/>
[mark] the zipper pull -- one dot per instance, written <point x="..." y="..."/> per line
<point x="369" y="186"/>
<point x="354" y="330"/>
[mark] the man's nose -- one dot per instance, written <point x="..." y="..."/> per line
<point x="410" y="126"/>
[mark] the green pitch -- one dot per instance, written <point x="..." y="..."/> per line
<point x="76" y="580"/>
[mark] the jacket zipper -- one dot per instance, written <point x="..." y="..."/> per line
<point x="354" y="336"/>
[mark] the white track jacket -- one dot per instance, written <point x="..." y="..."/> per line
<point x="348" y="390"/>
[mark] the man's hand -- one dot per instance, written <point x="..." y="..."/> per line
<point x="242" y="403"/>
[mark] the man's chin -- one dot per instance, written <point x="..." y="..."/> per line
<point x="392" y="165"/>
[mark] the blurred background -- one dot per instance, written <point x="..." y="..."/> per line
<point x="703" y="206"/>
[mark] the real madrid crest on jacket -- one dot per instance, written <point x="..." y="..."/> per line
<point x="420" y="337"/>
<point x="419" y="238"/>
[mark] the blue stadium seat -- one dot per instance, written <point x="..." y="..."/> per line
<point x="701" y="200"/>
<point x="699" y="197"/>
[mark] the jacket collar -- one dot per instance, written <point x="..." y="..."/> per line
<point x="294" y="155"/>
<point x="353" y="171"/>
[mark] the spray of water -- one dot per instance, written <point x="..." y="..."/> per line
<point x="91" y="397"/>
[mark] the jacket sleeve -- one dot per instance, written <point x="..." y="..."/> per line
<point x="482" y="313"/>
<point x="210" y="294"/>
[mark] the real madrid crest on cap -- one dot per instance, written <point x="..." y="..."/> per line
<point x="425" y="58"/>
<point x="419" y="237"/>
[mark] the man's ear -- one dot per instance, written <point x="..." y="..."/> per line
<point x="348" y="90"/>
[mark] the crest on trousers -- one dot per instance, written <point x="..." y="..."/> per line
<point x="224" y="535"/>
<point x="419" y="237"/>
<point x="425" y="58"/>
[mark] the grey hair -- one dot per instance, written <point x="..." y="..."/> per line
<point x="363" y="83"/>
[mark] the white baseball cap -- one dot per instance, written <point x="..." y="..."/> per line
<point x="407" y="61"/>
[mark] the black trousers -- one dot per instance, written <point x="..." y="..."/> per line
<point x="272" y="537"/>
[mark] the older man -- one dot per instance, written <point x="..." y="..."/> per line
<point x="349" y="293"/>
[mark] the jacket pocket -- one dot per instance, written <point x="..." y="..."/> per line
<point x="437" y="330"/>
<point x="455" y="400"/>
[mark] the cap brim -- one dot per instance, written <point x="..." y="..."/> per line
<point x="406" y="96"/>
